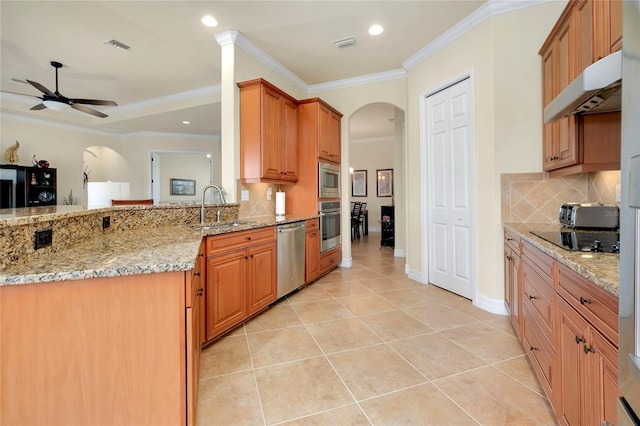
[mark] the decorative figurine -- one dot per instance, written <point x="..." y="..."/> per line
<point x="11" y="154"/>
<point x="34" y="161"/>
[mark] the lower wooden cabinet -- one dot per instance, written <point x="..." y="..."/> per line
<point x="569" y="331"/>
<point x="110" y="350"/>
<point x="240" y="277"/>
<point x="312" y="251"/>
<point x="329" y="260"/>
<point x="512" y="279"/>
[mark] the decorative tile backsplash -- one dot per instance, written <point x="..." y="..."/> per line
<point x="258" y="205"/>
<point x="536" y="198"/>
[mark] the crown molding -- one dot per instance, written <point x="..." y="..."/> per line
<point x="266" y="59"/>
<point x="190" y="94"/>
<point x="226" y="37"/>
<point x="489" y="9"/>
<point x="358" y="81"/>
<point x="82" y="129"/>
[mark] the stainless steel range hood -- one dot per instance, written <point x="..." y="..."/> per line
<point x="597" y="89"/>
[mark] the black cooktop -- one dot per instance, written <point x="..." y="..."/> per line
<point x="583" y="240"/>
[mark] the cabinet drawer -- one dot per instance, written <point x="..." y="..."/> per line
<point x="539" y="351"/>
<point x="538" y="293"/>
<point x="234" y="240"/>
<point x="598" y="307"/>
<point x="511" y="240"/>
<point x="330" y="260"/>
<point x="312" y="224"/>
<point x="540" y="260"/>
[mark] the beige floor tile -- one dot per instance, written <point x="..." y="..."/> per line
<point x="297" y="389"/>
<point x="345" y="289"/>
<point x="229" y="400"/>
<point x="383" y="284"/>
<point x="282" y="345"/>
<point x="410" y="297"/>
<point x="439" y="316"/>
<point x="366" y="304"/>
<point x="323" y="310"/>
<point x="520" y="369"/>
<point x="485" y="342"/>
<point x="493" y="398"/>
<point x="351" y="415"/>
<point x="420" y="405"/>
<point x="364" y="274"/>
<point x="229" y="355"/>
<point x="280" y="316"/>
<point x="466" y="306"/>
<point x="309" y="293"/>
<point x="393" y="325"/>
<point x="503" y="324"/>
<point x="436" y="356"/>
<point x="374" y="370"/>
<point x="343" y="334"/>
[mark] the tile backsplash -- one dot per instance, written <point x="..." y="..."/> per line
<point x="258" y="205"/>
<point x="536" y="198"/>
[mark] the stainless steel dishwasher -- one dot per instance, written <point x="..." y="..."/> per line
<point x="291" y="243"/>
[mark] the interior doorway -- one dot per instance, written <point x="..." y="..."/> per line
<point x="179" y="176"/>
<point x="449" y="181"/>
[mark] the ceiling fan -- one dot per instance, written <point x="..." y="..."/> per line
<point x="58" y="102"/>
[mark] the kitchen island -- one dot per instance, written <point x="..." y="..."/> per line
<point x="102" y="327"/>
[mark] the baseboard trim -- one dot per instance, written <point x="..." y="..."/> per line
<point x="347" y="262"/>
<point x="495" y="306"/>
<point x="398" y="252"/>
<point x="413" y="274"/>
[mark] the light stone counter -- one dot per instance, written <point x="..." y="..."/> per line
<point x="599" y="268"/>
<point x="146" y="250"/>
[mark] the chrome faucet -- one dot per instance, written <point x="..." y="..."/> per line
<point x="204" y="190"/>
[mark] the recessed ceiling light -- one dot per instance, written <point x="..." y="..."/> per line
<point x="376" y="29"/>
<point x="209" y="21"/>
<point x="186" y="122"/>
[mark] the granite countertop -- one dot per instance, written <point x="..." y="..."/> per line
<point x="599" y="268"/>
<point x="143" y="251"/>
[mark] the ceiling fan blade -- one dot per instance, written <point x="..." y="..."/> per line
<point x="39" y="106"/>
<point x="93" y="102"/>
<point x="88" y="110"/>
<point x="41" y="88"/>
<point x="21" y="94"/>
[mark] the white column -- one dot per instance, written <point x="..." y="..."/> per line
<point x="229" y="114"/>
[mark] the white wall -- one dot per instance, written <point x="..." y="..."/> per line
<point x="502" y="54"/>
<point x="183" y="166"/>
<point x="119" y="158"/>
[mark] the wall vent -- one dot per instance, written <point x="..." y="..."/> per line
<point x="116" y="44"/>
<point x="345" y="42"/>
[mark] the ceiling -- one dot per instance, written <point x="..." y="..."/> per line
<point x="171" y="72"/>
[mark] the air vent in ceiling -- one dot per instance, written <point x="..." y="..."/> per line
<point x="116" y="44"/>
<point x="345" y="42"/>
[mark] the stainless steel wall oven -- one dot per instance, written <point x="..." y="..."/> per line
<point x="329" y="224"/>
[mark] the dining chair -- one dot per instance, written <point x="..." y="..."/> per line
<point x="363" y="212"/>
<point x="355" y="221"/>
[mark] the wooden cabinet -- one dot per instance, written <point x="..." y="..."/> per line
<point x="322" y="128"/>
<point x="194" y="316"/>
<point x="330" y="260"/>
<point x="240" y="277"/>
<point x="312" y="251"/>
<point x="589" y="386"/>
<point x="97" y="351"/>
<point x="586" y="31"/>
<point x="570" y="334"/>
<point x="36" y="187"/>
<point x="512" y="292"/>
<point x="268" y="133"/>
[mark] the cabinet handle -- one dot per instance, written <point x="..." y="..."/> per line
<point x="531" y="297"/>
<point x="580" y="339"/>
<point x="197" y="274"/>
<point x="509" y="239"/>
<point x="199" y="292"/>
<point x="509" y="258"/>
<point x="249" y="238"/>
<point x="201" y="255"/>
<point x="583" y="300"/>
<point x="533" y="348"/>
<point x="588" y="349"/>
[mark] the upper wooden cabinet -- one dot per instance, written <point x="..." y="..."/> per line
<point x="268" y="133"/>
<point x="322" y="125"/>
<point x="586" y="31"/>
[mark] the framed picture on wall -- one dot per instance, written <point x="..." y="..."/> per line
<point x="182" y="187"/>
<point x="359" y="183"/>
<point x="384" y="187"/>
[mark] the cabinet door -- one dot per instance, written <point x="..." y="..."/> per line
<point x="603" y="365"/>
<point x="226" y="291"/>
<point x="549" y="130"/>
<point x="289" y="149"/>
<point x="261" y="276"/>
<point x="335" y="137"/>
<point x="312" y="255"/>
<point x="566" y="151"/>
<point x="324" y="132"/>
<point x="584" y="21"/>
<point x="573" y="336"/>
<point x="516" y="294"/>
<point x="508" y="278"/>
<point x="271" y="121"/>
<point x="615" y="25"/>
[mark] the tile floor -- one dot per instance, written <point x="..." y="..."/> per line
<point x="366" y="345"/>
